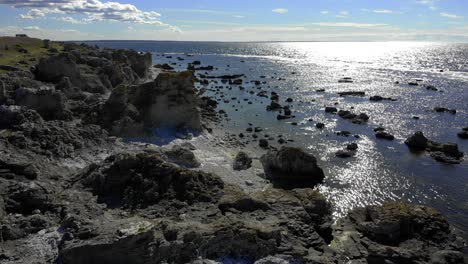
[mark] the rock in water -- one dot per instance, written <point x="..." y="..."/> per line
<point x="418" y="141"/>
<point x="384" y="135"/>
<point x="447" y="153"/>
<point x="242" y="161"/>
<point x="291" y="167"/>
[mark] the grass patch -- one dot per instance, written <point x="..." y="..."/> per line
<point x="12" y="51"/>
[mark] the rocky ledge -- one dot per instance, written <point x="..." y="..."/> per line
<point x="72" y="192"/>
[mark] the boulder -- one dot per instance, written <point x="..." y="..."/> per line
<point x="329" y="109"/>
<point x="345" y="153"/>
<point x="242" y="161"/>
<point x="417" y="141"/>
<point x="263" y="143"/>
<point x="182" y="156"/>
<point x="463" y="134"/>
<point x="291" y="167"/>
<point x="384" y="135"/>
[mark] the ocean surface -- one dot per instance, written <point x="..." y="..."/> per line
<point x="382" y="170"/>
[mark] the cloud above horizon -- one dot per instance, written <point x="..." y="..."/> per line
<point x="93" y="10"/>
<point x="237" y="21"/>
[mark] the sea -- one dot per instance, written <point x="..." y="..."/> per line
<point x="381" y="170"/>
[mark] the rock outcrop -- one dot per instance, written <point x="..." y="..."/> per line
<point x="289" y="167"/>
<point x="396" y="233"/>
<point x="168" y="102"/>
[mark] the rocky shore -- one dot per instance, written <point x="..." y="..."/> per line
<point x="72" y="190"/>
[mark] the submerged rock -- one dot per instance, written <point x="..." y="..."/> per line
<point x="291" y="167"/>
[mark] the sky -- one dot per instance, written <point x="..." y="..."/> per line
<point x="240" y="20"/>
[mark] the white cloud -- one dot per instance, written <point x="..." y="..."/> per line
<point x="343" y="24"/>
<point x="450" y="15"/>
<point x="280" y="10"/>
<point x="33" y="14"/>
<point x="238" y="16"/>
<point x="383" y="11"/>
<point x="70" y="20"/>
<point x="343" y="14"/>
<point x="93" y="10"/>
<point x="324" y="12"/>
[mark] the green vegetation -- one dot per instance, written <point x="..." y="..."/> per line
<point x="22" y="53"/>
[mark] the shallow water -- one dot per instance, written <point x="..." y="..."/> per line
<point x="382" y="170"/>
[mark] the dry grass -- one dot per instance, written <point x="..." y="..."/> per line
<point x="10" y="54"/>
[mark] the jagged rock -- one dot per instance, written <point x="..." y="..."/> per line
<point x="142" y="179"/>
<point x="48" y="103"/>
<point x="242" y="161"/>
<point x="139" y="62"/>
<point x="182" y="156"/>
<point x="447" y="153"/>
<point x="53" y="68"/>
<point x="393" y="233"/>
<point x="11" y="117"/>
<point x="168" y="102"/>
<point x="357" y="119"/>
<point x="418" y="141"/>
<point x="292" y="166"/>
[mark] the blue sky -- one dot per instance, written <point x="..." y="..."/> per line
<point x="240" y="20"/>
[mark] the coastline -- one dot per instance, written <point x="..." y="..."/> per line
<point x="95" y="193"/>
